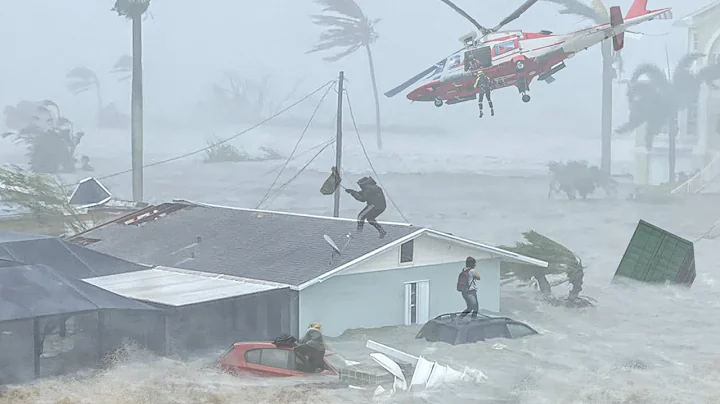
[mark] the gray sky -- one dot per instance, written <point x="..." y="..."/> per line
<point x="186" y="48"/>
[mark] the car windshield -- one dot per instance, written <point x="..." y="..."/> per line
<point x="337" y="361"/>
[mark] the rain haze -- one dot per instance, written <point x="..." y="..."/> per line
<point x="446" y="169"/>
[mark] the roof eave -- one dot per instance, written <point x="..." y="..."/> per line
<point x="499" y="252"/>
<point x="373" y="253"/>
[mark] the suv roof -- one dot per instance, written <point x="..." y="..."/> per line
<point x="452" y="329"/>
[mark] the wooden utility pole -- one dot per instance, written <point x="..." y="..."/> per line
<point x="137" y="111"/>
<point x="338" y="143"/>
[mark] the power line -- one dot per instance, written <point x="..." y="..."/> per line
<point x="257" y="125"/>
<point x="277" y="191"/>
<point x="292" y="153"/>
<point x="357" y="132"/>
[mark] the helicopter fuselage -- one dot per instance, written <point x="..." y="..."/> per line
<point x="515" y="58"/>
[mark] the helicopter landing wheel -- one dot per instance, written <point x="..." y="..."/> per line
<point x="526" y="98"/>
<point x="438" y="102"/>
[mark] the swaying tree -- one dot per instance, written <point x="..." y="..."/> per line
<point x="561" y="261"/>
<point x="598" y="14"/>
<point x="134" y="10"/>
<point x="577" y="178"/>
<point x="656" y="97"/>
<point x="50" y="139"/>
<point x="81" y="79"/>
<point x="42" y="195"/>
<point x="351" y="30"/>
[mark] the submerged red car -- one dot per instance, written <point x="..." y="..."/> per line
<point x="270" y="360"/>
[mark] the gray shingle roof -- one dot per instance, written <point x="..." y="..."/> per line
<point x="68" y="259"/>
<point x="28" y="291"/>
<point x="272" y="246"/>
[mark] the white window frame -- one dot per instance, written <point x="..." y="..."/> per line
<point x="422" y="302"/>
<point x="412" y="261"/>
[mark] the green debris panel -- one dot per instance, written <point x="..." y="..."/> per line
<point x="655" y="255"/>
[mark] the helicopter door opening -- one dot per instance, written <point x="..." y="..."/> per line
<point x="478" y="58"/>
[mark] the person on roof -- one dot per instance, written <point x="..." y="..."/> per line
<point x="467" y="287"/>
<point x="485" y="86"/>
<point x="312" y="347"/>
<point x="373" y="196"/>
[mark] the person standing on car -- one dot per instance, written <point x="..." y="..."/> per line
<point x="312" y="347"/>
<point x="466" y="286"/>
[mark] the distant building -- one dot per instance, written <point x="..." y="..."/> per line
<point x="406" y="278"/>
<point x="698" y="142"/>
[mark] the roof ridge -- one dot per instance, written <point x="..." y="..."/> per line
<point x="209" y="205"/>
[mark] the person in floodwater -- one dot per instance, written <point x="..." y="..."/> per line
<point x="485" y="86"/>
<point x="312" y="347"/>
<point x="373" y="196"/>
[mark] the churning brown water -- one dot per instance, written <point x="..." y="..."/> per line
<point x="644" y="344"/>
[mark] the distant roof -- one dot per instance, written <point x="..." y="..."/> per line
<point x="89" y="193"/>
<point x="176" y="287"/>
<point x="29" y="291"/>
<point x="65" y="257"/>
<point x="286" y="248"/>
<point x="688" y="18"/>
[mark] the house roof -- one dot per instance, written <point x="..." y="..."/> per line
<point x="687" y="20"/>
<point x="63" y="256"/>
<point x="285" y="248"/>
<point x="177" y="287"/>
<point x="29" y="291"/>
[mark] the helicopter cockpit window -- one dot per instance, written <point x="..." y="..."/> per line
<point x="455" y="61"/>
<point x="504" y="47"/>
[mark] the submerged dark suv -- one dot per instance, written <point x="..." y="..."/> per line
<point x="454" y="330"/>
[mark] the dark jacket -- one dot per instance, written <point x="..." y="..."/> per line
<point x="369" y="193"/>
<point x="313" y="338"/>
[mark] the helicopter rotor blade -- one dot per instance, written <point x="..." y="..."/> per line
<point x="430" y="70"/>
<point x="484" y="31"/>
<point x="514" y="15"/>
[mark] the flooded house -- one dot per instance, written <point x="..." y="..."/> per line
<point x="53" y="323"/>
<point x="292" y="269"/>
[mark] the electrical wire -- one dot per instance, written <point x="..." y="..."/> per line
<point x="297" y="144"/>
<point x="257" y="125"/>
<point x="288" y="182"/>
<point x="357" y="132"/>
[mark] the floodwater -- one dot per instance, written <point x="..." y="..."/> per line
<point x="639" y="345"/>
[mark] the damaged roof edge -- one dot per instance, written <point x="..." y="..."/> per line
<point x="209" y="205"/>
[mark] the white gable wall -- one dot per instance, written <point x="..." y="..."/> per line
<point x="428" y="251"/>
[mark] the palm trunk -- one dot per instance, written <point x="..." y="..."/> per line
<point x="672" y="140"/>
<point x="607" y="104"/>
<point x="377" y="99"/>
<point x="137" y="110"/>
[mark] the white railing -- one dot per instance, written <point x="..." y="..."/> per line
<point x="699" y="181"/>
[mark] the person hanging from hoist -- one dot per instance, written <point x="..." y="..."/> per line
<point x="373" y="196"/>
<point x="485" y="86"/>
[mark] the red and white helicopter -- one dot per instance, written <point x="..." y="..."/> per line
<point x="515" y="58"/>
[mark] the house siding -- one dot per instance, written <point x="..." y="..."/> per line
<point x="377" y="299"/>
<point x="427" y="251"/>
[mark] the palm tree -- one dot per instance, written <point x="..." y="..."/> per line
<point x="598" y="14"/>
<point x="656" y="97"/>
<point x="80" y="79"/>
<point x="133" y="10"/>
<point x="352" y="30"/>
